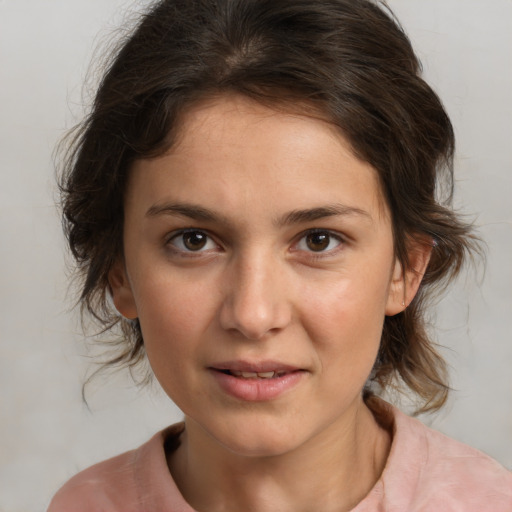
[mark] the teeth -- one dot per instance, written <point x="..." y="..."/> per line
<point x="254" y="375"/>
<point x="266" y="375"/>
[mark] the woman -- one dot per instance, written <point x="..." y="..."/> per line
<point x="256" y="189"/>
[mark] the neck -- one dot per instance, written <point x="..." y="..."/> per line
<point x="333" y="471"/>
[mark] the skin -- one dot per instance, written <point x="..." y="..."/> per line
<point x="261" y="289"/>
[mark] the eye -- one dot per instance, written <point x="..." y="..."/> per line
<point x="319" y="241"/>
<point x="192" y="241"/>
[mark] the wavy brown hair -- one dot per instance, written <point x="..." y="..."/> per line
<point x="348" y="61"/>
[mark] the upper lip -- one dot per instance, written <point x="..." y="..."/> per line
<point x="254" y="366"/>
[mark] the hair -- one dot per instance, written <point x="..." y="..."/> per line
<point x="347" y="60"/>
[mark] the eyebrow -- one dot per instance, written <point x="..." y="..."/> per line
<point x="322" y="212"/>
<point x="200" y="213"/>
<point x="186" y="210"/>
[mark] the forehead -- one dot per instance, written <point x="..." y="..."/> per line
<point x="239" y="119"/>
<point x="233" y="149"/>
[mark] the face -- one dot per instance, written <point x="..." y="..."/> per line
<point x="259" y="261"/>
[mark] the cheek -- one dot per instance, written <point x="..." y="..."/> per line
<point x="173" y="320"/>
<point x="345" y="320"/>
<point x="172" y="314"/>
<point x="347" y="347"/>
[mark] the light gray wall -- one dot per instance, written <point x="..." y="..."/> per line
<point x="46" y="433"/>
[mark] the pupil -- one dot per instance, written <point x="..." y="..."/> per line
<point x="317" y="241"/>
<point x="194" y="240"/>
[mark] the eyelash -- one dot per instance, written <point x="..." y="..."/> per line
<point x="183" y="250"/>
<point x="331" y="236"/>
<point x="340" y="240"/>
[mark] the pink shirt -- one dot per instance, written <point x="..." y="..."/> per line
<point x="425" y="472"/>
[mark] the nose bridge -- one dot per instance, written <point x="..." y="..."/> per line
<point x="255" y="303"/>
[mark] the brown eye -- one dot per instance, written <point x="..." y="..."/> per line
<point x="318" y="241"/>
<point x="194" y="240"/>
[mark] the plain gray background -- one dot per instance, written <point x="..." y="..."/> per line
<point x="46" y="432"/>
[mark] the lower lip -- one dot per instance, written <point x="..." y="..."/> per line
<point x="257" y="389"/>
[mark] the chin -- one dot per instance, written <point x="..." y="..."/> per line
<point x="258" y="437"/>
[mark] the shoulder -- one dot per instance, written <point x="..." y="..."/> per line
<point x="445" y="474"/>
<point x="98" y="487"/>
<point x="122" y="483"/>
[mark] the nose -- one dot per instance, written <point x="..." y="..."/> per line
<point x="255" y="302"/>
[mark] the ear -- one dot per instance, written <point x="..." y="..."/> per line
<point x="121" y="290"/>
<point x="405" y="282"/>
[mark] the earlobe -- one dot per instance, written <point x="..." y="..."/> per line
<point x="121" y="290"/>
<point x="405" y="282"/>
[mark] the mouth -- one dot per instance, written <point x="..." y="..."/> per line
<point x="273" y="374"/>
<point x="255" y="370"/>
<point x="256" y="382"/>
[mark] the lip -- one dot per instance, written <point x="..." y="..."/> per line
<point x="256" y="389"/>
<point x="254" y="366"/>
